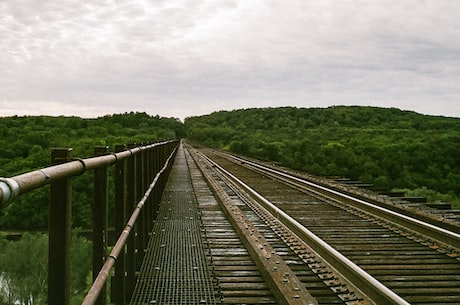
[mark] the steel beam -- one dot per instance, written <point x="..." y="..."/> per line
<point x="100" y="219"/>
<point x="60" y="233"/>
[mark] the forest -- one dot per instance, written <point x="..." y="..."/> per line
<point x="388" y="147"/>
<point x="25" y="145"/>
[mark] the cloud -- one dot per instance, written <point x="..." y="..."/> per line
<point x="183" y="57"/>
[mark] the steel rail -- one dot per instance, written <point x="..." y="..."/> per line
<point x="10" y="188"/>
<point x="441" y="235"/>
<point x="369" y="286"/>
<point x="288" y="289"/>
<point x="101" y="278"/>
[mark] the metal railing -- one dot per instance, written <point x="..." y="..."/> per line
<point x="140" y="173"/>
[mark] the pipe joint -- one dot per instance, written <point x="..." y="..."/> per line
<point x="9" y="189"/>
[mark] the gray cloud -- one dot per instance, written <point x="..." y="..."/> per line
<point x="183" y="57"/>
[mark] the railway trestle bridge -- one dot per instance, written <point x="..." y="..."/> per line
<point x="199" y="226"/>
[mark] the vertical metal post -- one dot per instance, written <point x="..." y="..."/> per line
<point x="151" y="200"/>
<point x="119" y="285"/>
<point x="59" y="233"/>
<point x="146" y="179"/>
<point x="140" y="221"/>
<point x="147" y="182"/>
<point x="157" y="189"/>
<point x="100" y="204"/>
<point x="131" y="243"/>
<point x="164" y="156"/>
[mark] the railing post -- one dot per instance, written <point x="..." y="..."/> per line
<point x="59" y="233"/>
<point x="146" y="179"/>
<point x="131" y="243"/>
<point x="140" y="221"/>
<point x="155" y="190"/>
<point x="151" y="205"/>
<point x="100" y="219"/>
<point x="164" y="151"/>
<point x="147" y="208"/>
<point x="158" y="160"/>
<point x="119" y="285"/>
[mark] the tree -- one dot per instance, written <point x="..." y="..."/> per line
<point x="24" y="273"/>
<point x="24" y="268"/>
<point x="387" y="147"/>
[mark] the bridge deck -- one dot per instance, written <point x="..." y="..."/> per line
<point x="175" y="270"/>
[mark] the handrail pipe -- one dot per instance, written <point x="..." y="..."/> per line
<point x="134" y="167"/>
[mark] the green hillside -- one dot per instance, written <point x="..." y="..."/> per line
<point x="26" y="142"/>
<point x="387" y="147"/>
<point x="25" y="145"/>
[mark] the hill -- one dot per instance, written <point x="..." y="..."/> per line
<point x="388" y="147"/>
<point x="26" y="142"/>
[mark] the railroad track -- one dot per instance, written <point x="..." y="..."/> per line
<point x="274" y="238"/>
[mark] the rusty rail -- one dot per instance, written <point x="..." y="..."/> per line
<point x="286" y="286"/>
<point x="450" y="238"/>
<point x="133" y="168"/>
<point x="366" y="283"/>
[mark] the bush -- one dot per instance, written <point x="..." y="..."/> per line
<point x="24" y="268"/>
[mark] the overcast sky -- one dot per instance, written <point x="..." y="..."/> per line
<point x="180" y="58"/>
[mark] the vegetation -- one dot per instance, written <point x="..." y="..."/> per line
<point x="26" y="144"/>
<point x="387" y="147"/>
<point x="24" y="269"/>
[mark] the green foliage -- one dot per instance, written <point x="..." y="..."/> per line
<point x="388" y="147"/>
<point x="433" y="196"/>
<point x="81" y="266"/>
<point x="26" y="141"/>
<point x="24" y="268"/>
<point x="26" y="144"/>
